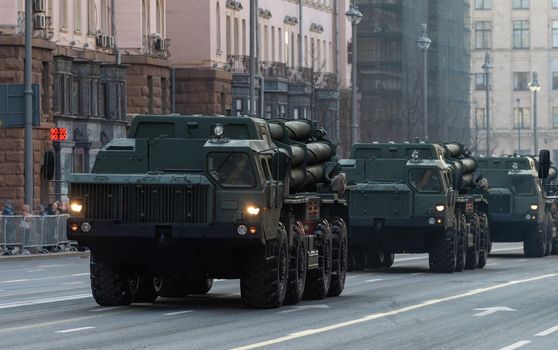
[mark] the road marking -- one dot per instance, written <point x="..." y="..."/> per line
<point x="71" y="283"/>
<point x="15" y="281"/>
<point x="48" y="266"/>
<point x="35" y="270"/>
<point x="101" y="309"/>
<point x="516" y="345"/>
<point x="45" y="278"/>
<point x="74" y="330"/>
<point x="375" y="280"/>
<point x="80" y="274"/>
<point x="178" y="312"/>
<point x="43" y="301"/>
<point x="417" y="273"/>
<point x="492" y="264"/>
<point x="304" y="307"/>
<point x="522" y="260"/>
<point x="490" y="310"/>
<point x="376" y="316"/>
<point x="547" y="332"/>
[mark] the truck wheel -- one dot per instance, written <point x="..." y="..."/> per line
<point x="198" y="285"/>
<point x="340" y="258"/>
<point x="318" y="280"/>
<point x="297" y="271"/>
<point x="461" y="250"/>
<point x="534" y="243"/>
<point x="110" y="283"/>
<point x="443" y="254"/>
<point x="171" y="287"/>
<point x="263" y="283"/>
<point x="143" y="289"/>
<point x="389" y="259"/>
<point x="485" y="242"/>
<point x="472" y="258"/>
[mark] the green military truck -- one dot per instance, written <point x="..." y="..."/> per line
<point x="415" y="198"/>
<point x="519" y="212"/>
<point x="185" y="199"/>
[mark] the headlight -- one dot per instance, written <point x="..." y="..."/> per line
<point x="253" y="210"/>
<point x="76" y="207"/>
<point x="219" y="130"/>
<point x="440" y="207"/>
<point x="534" y="206"/>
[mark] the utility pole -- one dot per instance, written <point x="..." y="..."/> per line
<point x="28" y="96"/>
<point x="424" y="43"/>
<point x="253" y="23"/>
<point x="535" y="87"/>
<point x="354" y="16"/>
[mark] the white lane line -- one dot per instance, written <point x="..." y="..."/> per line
<point x="522" y="260"/>
<point x="74" y="330"/>
<point x="47" y="266"/>
<point x="71" y="283"/>
<point x="35" y="270"/>
<point x="410" y="259"/>
<point x="46" y="278"/>
<point x="178" y="313"/>
<point x="376" y="316"/>
<point x="505" y="250"/>
<point x="547" y="332"/>
<point x="417" y="273"/>
<point x="15" y="281"/>
<point x="43" y="301"/>
<point x="80" y="274"/>
<point x="375" y="280"/>
<point x="516" y="345"/>
<point x="303" y="307"/>
<point x="492" y="264"/>
<point x="101" y="309"/>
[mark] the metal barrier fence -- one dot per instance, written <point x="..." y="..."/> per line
<point x="19" y="235"/>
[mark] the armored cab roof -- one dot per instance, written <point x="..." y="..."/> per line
<point x="507" y="163"/>
<point x="396" y="150"/>
<point x="197" y="127"/>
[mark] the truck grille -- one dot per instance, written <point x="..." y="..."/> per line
<point x="379" y="204"/>
<point x="160" y="204"/>
<point x="499" y="203"/>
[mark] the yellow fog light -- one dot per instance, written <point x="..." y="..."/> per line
<point x="440" y="207"/>
<point x="253" y="230"/>
<point x="534" y="206"/>
<point x="74" y="227"/>
<point x="253" y="210"/>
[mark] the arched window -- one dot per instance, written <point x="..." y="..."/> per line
<point x="160" y="20"/>
<point x="218" y="25"/>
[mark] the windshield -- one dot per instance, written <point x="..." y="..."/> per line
<point x="523" y="185"/>
<point x="425" y="180"/>
<point x="231" y="169"/>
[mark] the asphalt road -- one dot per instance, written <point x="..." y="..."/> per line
<point x="511" y="304"/>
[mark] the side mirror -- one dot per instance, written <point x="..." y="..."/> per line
<point x="544" y="163"/>
<point x="280" y="166"/>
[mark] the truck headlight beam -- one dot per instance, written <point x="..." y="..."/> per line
<point x="253" y="210"/>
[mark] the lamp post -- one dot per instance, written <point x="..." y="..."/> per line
<point x="519" y="126"/>
<point x="486" y="67"/>
<point x="424" y="43"/>
<point x="354" y="16"/>
<point x="253" y="26"/>
<point x="535" y="87"/>
<point x="28" y="98"/>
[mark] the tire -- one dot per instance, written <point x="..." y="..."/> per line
<point x="298" y="267"/>
<point x="263" y="283"/>
<point x="319" y="279"/>
<point x="340" y="257"/>
<point x="143" y="289"/>
<point x="443" y="254"/>
<point x="461" y="246"/>
<point x="110" y="284"/>
<point x="171" y="287"/>
<point x="389" y="259"/>
<point x="198" y="285"/>
<point x="486" y="244"/>
<point x="534" y="243"/>
<point x="473" y="253"/>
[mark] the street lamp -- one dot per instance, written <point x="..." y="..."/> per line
<point x="519" y="126"/>
<point x="535" y="87"/>
<point x="486" y="67"/>
<point x="354" y="16"/>
<point x="424" y="43"/>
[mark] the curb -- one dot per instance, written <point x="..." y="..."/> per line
<point x="45" y="256"/>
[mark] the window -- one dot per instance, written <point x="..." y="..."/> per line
<point x="555" y="117"/>
<point x="280" y="43"/>
<point x="521" y="34"/>
<point x="480" y="118"/>
<point x="521" y="118"/>
<point x="244" y="49"/>
<point x="77" y="15"/>
<point x="520" y="4"/>
<point x="238" y="106"/>
<point x="520" y="80"/>
<point x="64" y="13"/>
<point x="229" y="39"/>
<point x="159" y="12"/>
<point x="76" y="97"/>
<point x="231" y="169"/>
<point x="268" y="110"/>
<point x="425" y="180"/>
<point x="105" y="17"/>
<point x="555" y="4"/>
<point x="555" y="34"/>
<point x="236" y="38"/>
<point x="91" y="17"/>
<point x="78" y="160"/>
<point x="282" y="111"/>
<point x="523" y="185"/>
<point x="554" y="80"/>
<point x="266" y="43"/>
<point x="218" y="26"/>
<point x="273" y="44"/>
<point x="483" y="35"/>
<point x="295" y="113"/>
<point x="480" y="81"/>
<point x="145" y="21"/>
<point x="483" y="4"/>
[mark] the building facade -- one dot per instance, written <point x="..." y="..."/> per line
<point x="96" y="62"/>
<point x="521" y="37"/>
<point x="302" y="58"/>
<point x="391" y="69"/>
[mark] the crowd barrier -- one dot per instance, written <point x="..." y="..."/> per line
<point x="20" y="235"/>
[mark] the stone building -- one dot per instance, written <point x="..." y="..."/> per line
<point x="522" y="38"/>
<point x="302" y="59"/>
<point x="96" y="61"/>
<point x="391" y="71"/>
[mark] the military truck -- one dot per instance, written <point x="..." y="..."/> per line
<point x="519" y="211"/>
<point x="415" y="198"/>
<point x="185" y="199"/>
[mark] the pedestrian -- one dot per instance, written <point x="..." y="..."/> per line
<point x="52" y="209"/>
<point x="42" y="210"/>
<point x="26" y="211"/>
<point x="8" y="209"/>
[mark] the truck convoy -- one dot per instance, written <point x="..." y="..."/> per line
<point x="185" y="199"/>
<point x="416" y="198"/>
<point x="519" y="211"/>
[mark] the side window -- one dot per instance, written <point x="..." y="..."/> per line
<point x="266" y="169"/>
